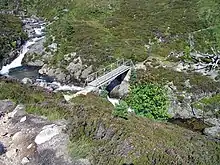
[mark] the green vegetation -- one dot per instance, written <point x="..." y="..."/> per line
<point x="37" y="100"/>
<point x="97" y="135"/>
<point x="121" y="110"/>
<point x="199" y="83"/>
<point x="149" y="100"/>
<point x="100" y="30"/>
<point x="81" y="148"/>
<point x="210" y="104"/>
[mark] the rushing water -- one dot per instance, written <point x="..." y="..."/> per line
<point x="17" y="70"/>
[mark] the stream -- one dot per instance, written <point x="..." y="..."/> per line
<point x="17" y="70"/>
<point x="35" y="30"/>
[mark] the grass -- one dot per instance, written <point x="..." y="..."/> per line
<point x="199" y="83"/>
<point x="80" y="149"/>
<point x="100" y="31"/>
<point x="97" y="135"/>
<point x="37" y="100"/>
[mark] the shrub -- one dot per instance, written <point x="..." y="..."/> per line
<point x="121" y="110"/>
<point x="149" y="100"/>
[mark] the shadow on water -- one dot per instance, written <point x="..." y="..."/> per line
<point x="194" y="124"/>
<point x="28" y="72"/>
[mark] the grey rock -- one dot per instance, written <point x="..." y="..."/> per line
<point x="18" y="137"/>
<point x="25" y="160"/>
<point x="213" y="121"/>
<point x="36" y="63"/>
<point x="70" y="56"/>
<point x="120" y="90"/>
<point x="213" y="131"/>
<point x="26" y="81"/>
<point x="75" y="67"/>
<point x="82" y="162"/>
<point x="61" y="77"/>
<point x="6" y="105"/>
<point x="11" y="153"/>
<point x="18" y="111"/>
<point x="44" y="69"/>
<point x="86" y="72"/>
<point x="37" y="48"/>
<point x="47" y="133"/>
<point x="53" y="47"/>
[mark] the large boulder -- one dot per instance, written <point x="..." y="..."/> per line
<point x="6" y="105"/>
<point x="213" y="131"/>
<point x="120" y="90"/>
<point x="86" y="72"/>
<point x="75" y="67"/>
<point x="37" y="47"/>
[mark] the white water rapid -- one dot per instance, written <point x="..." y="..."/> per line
<point x="17" y="62"/>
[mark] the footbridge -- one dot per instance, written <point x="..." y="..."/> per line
<point x="109" y="73"/>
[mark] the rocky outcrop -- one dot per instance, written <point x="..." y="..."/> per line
<point x="31" y="140"/>
<point x="120" y="90"/>
<point x="213" y="132"/>
<point x="74" y="71"/>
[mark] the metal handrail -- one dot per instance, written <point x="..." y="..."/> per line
<point x="103" y="71"/>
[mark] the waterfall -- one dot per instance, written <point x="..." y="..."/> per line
<point x="17" y="62"/>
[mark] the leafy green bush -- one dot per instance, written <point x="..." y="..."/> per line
<point x="121" y="110"/>
<point x="149" y="100"/>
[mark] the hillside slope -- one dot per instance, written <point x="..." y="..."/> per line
<point x="103" y="139"/>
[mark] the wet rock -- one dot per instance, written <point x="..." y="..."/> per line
<point x="36" y="63"/>
<point x="213" y="131"/>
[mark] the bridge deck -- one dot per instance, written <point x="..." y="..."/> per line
<point x="109" y="76"/>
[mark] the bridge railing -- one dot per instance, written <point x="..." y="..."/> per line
<point x="108" y="69"/>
